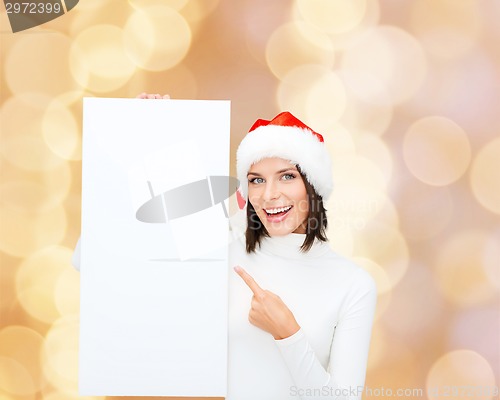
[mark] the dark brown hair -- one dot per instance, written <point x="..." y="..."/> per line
<point x="316" y="221"/>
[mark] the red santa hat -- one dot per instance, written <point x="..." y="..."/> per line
<point x="289" y="138"/>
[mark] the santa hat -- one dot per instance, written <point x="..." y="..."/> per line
<point x="289" y="138"/>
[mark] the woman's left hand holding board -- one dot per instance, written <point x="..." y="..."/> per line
<point x="144" y="95"/>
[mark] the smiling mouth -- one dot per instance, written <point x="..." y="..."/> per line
<point x="279" y="214"/>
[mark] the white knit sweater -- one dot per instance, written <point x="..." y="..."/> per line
<point x="332" y="299"/>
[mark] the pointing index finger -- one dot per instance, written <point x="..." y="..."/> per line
<point x="256" y="289"/>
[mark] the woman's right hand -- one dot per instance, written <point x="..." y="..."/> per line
<point x="144" y="95"/>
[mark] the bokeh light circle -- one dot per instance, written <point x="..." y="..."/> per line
<point x="377" y="273"/>
<point x="22" y="345"/>
<point x="325" y="101"/>
<point x="378" y="346"/>
<point x="195" y="11"/>
<point x="361" y="17"/>
<point x="417" y="313"/>
<point x="15" y="378"/>
<point x="67" y="292"/>
<point x="156" y="38"/>
<point x="485" y="176"/>
<point x="446" y="28"/>
<point x="37" y="279"/>
<point x="397" y="371"/>
<point x="61" y="131"/>
<point x="425" y="210"/>
<point x="458" y="369"/>
<point x="356" y="199"/>
<point x="107" y="14"/>
<point x="91" y="6"/>
<point x="23" y="144"/>
<point x="37" y="192"/>
<point x="392" y="56"/>
<point x="314" y="93"/>
<point x="295" y="84"/>
<point x="491" y="258"/>
<point x="60" y="355"/>
<point x="295" y="44"/>
<point x="384" y="287"/>
<point x="32" y="209"/>
<point x="339" y="141"/>
<point x="385" y="212"/>
<point x="174" y="4"/>
<point x="436" y="150"/>
<point x="333" y="16"/>
<point x="39" y="63"/>
<point x="98" y="60"/>
<point x="351" y="207"/>
<point x="359" y="171"/>
<point x="369" y="106"/>
<point x="340" y="238"/>
<point x="386" y="246"/>
<point x="23" y="232"/>
<point x="374" y="149"/>
<point x="459" y="272"/>
<point x="477" y="330"/>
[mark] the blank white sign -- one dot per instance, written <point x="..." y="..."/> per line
<point x="153" y="294"/>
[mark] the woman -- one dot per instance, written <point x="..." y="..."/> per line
<point x="300" y="315"/>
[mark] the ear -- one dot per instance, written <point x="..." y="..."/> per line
<point x="240" y="199"/>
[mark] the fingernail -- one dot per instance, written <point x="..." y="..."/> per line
<point x="237" y="268"/>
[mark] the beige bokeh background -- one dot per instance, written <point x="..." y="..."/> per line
<point x="406" y="94"/>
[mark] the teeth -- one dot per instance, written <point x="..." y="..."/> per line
<point x="277" y="210"/>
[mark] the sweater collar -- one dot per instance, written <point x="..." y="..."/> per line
<point x="288" y="246"/>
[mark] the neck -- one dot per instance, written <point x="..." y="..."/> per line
<point x="288" y="246"/>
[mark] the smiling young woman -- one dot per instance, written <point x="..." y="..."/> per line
<point x="316" y="306"/>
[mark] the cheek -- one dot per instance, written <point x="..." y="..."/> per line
<point x="299" y="191"/>
<point x="255" y="202"/>
<point x="302" y="209"/>
<point x="301" y="200"/>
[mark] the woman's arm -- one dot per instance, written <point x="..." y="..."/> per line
<point x="345" y="376"/>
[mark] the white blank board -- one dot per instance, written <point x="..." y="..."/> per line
<point x="153" y="316"/>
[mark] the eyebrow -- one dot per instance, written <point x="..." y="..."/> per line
<point x="279" y="172"/>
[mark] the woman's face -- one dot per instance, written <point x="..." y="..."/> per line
<point x="274" y="184"/>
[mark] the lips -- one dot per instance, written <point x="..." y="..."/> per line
<point x="277" y="217"/>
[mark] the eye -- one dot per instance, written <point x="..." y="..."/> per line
<point x="253" y="180"/>
<point x="292" y="176"/>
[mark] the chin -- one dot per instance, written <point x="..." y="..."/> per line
<point x="280" y="229"/>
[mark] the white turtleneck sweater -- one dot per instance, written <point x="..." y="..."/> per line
<point x="333" y="301"/>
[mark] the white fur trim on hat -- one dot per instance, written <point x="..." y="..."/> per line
<point x="298" y="145"/>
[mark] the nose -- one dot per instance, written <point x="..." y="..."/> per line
<point x="271" y="191"/>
